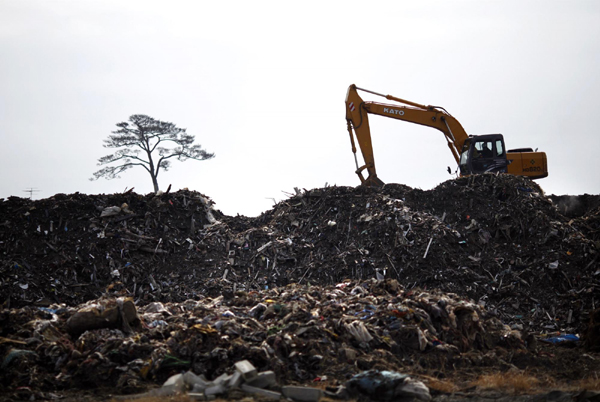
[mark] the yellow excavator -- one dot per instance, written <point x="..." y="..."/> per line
<point x="474" y="154"/>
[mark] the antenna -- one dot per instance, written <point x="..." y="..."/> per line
<point x="31" y="190"/>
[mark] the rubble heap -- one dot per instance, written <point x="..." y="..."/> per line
<point x="351" y="275"/>
<point x="495" y="239"/>
<point x="297" y="334"/>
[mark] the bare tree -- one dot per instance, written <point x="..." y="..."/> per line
<point x="141" y="142"/>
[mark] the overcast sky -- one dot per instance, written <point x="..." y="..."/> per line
<point x="262" y="85"/>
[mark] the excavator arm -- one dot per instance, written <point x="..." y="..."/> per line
<point x="357" y="112"/>
<point x="474" y="154"/>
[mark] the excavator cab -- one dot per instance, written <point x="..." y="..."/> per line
<point x="483" y="154"/>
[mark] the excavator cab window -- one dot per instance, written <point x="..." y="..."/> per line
<point x="464" y="155"/>
<point x="483" y="154"/>
<point x="484" y="149"/>
<point x="499" y="149"/>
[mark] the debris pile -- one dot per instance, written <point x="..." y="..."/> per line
<point x="296" y="334"/>
<point x="69" y="248"/>
<point x="245" y="379"/>
<point x="128" y="290"/>
<point x="575" y="206"/>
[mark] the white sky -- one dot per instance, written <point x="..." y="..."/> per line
<point x="262" y="84"/>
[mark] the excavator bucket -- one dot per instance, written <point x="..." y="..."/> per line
<point x="373" y="181"/>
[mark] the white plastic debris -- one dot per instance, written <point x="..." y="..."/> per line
<point x="110" y="211"/>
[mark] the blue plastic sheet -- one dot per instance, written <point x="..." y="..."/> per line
<point x="563" y="338"/>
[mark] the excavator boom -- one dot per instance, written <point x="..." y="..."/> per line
<point x="462" y="146"/>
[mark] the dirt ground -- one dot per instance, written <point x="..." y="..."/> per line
<point x="467" y="287"/>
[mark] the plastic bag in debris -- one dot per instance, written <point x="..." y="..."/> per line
<point x="359" y="331"/>
<point x="387" y="386"/>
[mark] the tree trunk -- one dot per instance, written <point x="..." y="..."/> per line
<point x="153" y="173"/>
<point x="154" y="182"/>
